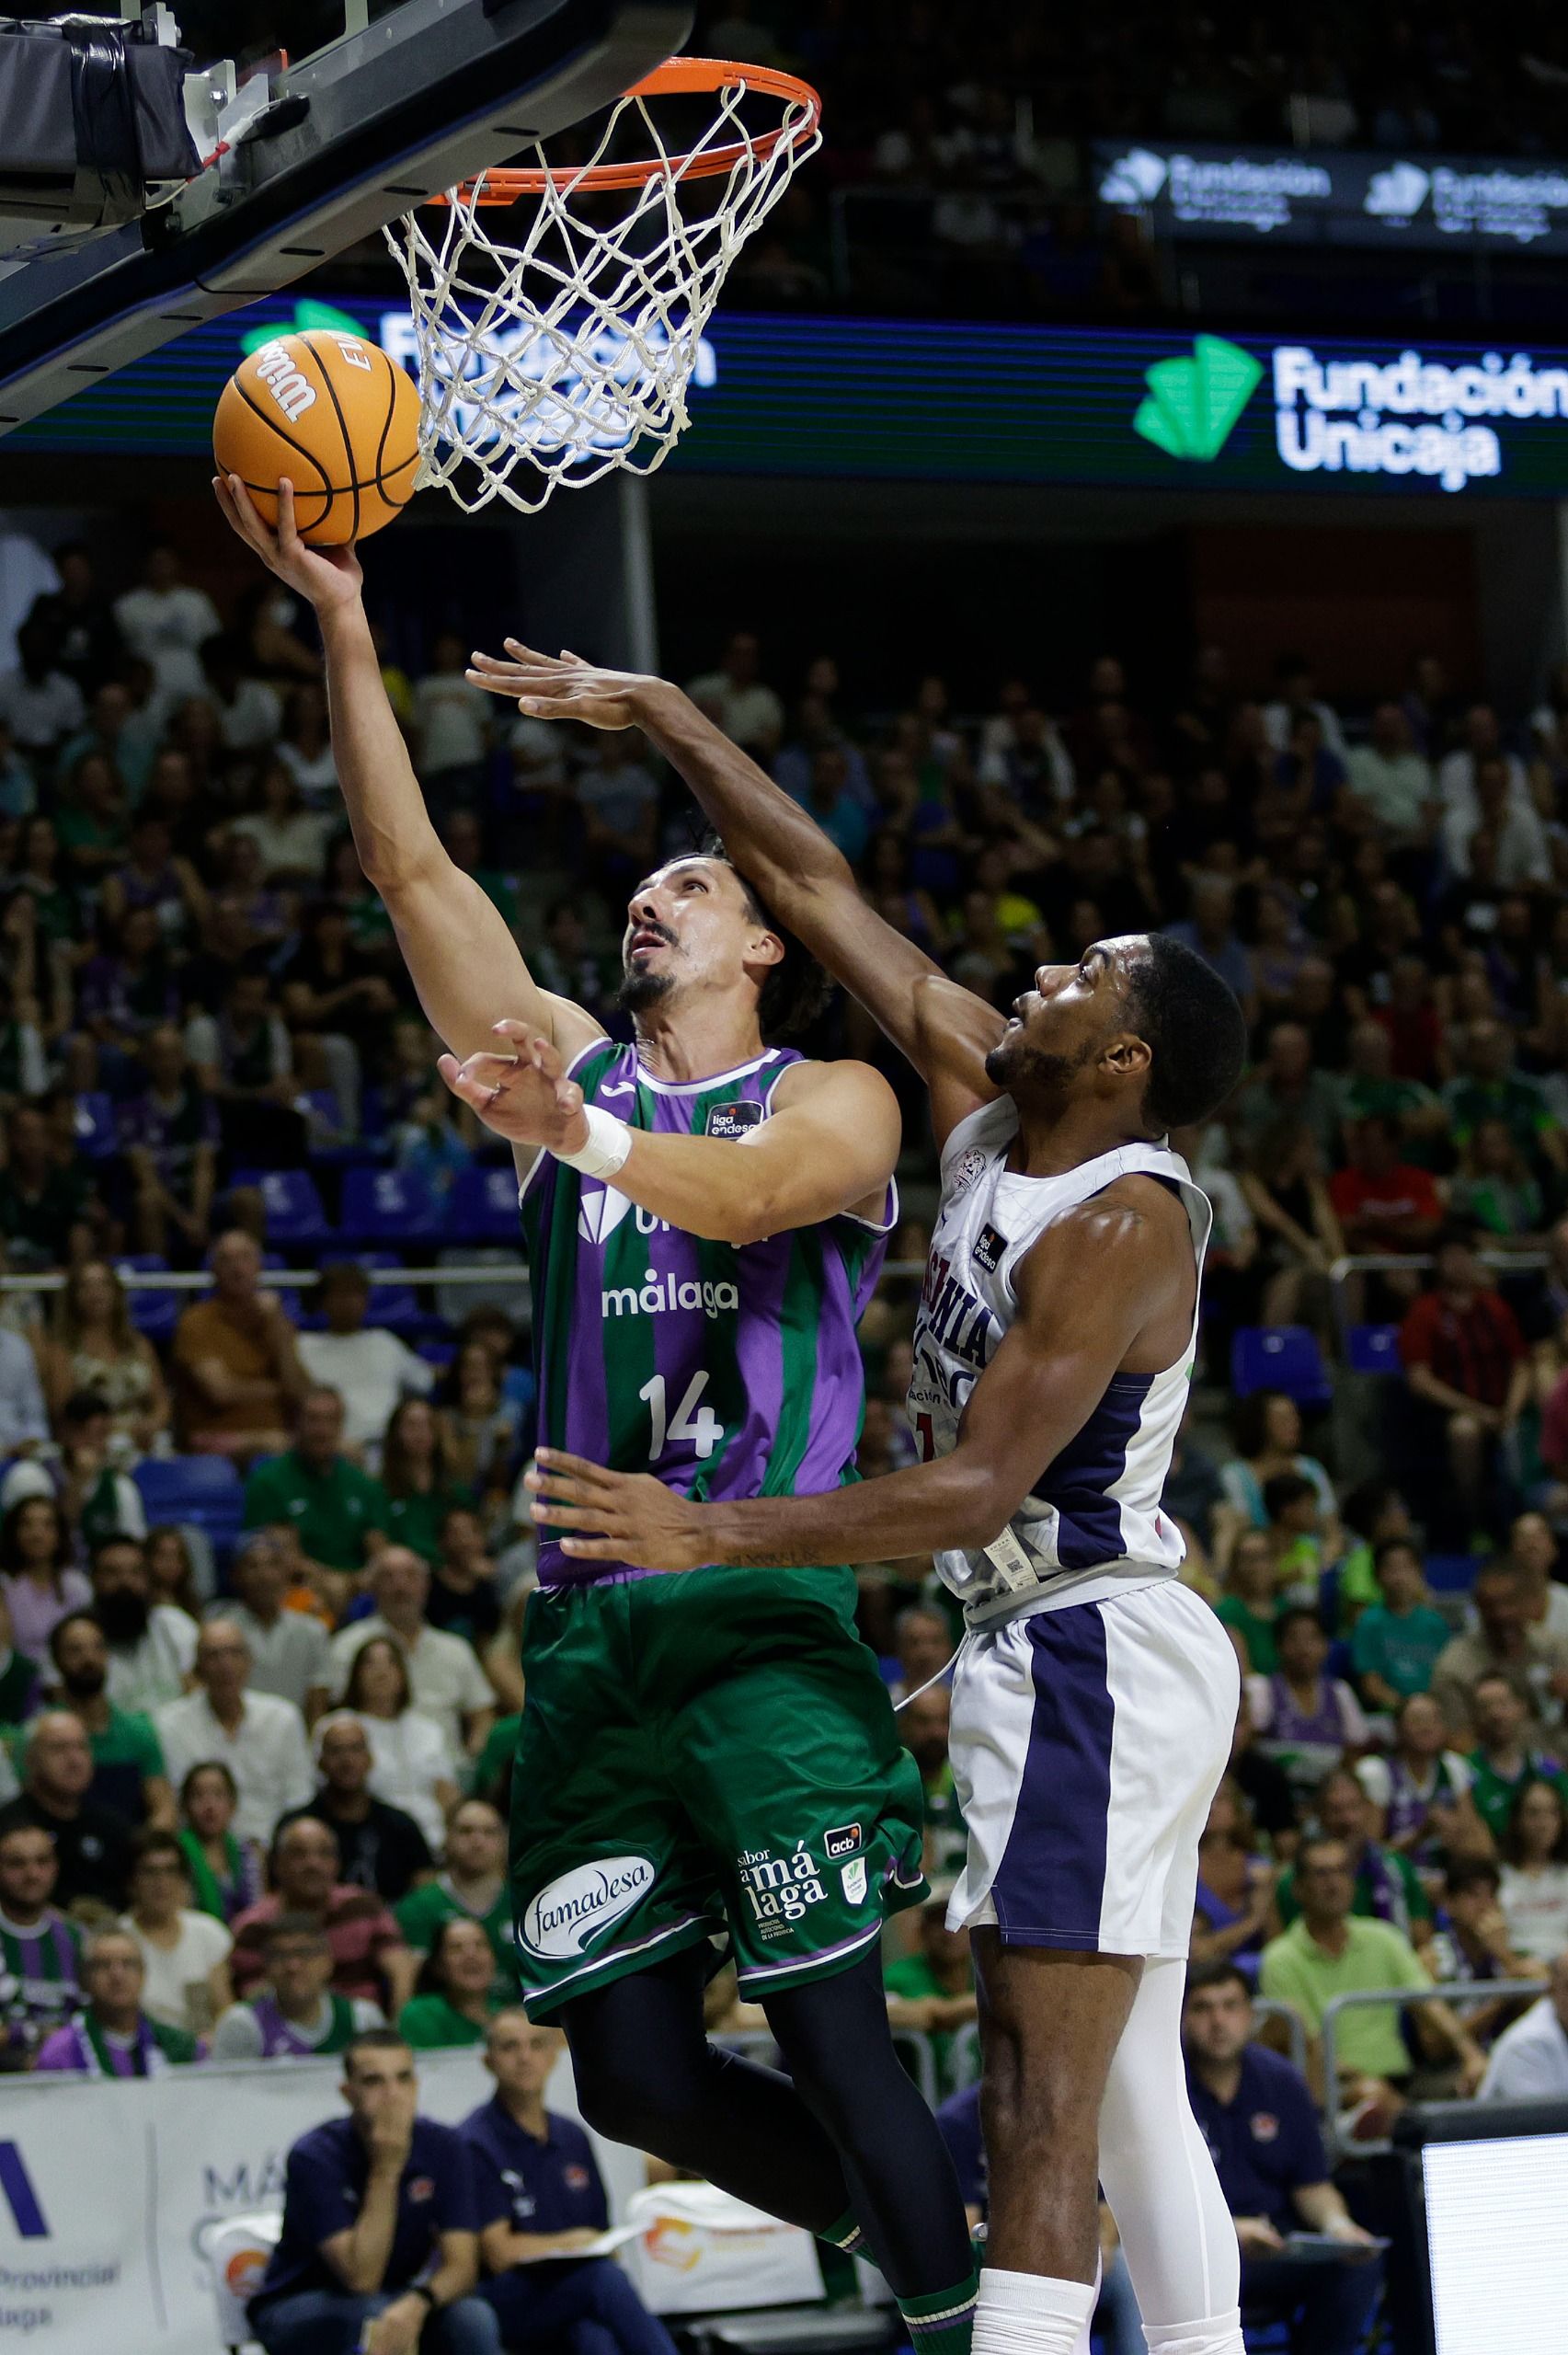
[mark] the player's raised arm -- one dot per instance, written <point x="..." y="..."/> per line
<point x="458" y="948"/>
<point x="1099" y="1279"/>
<point x="828" y="1145"/>
<point x="946" y="1031"/>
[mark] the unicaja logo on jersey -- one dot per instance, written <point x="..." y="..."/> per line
<point x="561" y="1919"/>
<point x="600" y="1213"/>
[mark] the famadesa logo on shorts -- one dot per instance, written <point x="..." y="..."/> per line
<point x="560" y="1920"/>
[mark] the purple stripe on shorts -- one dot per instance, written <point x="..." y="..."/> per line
<point x="1051" y="1884"/>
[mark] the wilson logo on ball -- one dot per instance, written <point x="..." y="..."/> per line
<point x="275" y="366"/>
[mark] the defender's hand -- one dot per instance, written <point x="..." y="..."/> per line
<point x="524" y="1097"/>
<point x="635" y="1518"/>
<point x="561" y="687"/>
<point x="330" y="578"/>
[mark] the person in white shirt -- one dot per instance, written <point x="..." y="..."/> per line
<point x="412" y="1765"/>
<point x="1294" y="679"/>
<point x="260" y="1739"/>
<point x="1521" y="854"/>
<point x="1457" y="770"/>
<point x="185" y="1953"/>
<point x="1529" y="2061"/>
<point x="371" y="1372"/>
<point x="451" y="717"/>
<point x="152" y="1646"/>
<point x="287" y="1648"/>
<point x="39" y="704"/>
<point x="1533" y="1893"/>
<point x="165" y="621"/>
<point x="1392" y="780"/>
<point x="250" y="711"/>
<point x="24" y="1418"/>
<point x="448" y="1683"/>
<point x="748" y="711"/>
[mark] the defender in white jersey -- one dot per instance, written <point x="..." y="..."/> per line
<point x="1095" y="1696"/>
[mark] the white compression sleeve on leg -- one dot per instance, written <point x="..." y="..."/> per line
<point x="1030" y="2313"/>
<point x="1160" y="2181"/>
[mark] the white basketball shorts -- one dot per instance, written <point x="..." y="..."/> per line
<point x="1087" y="1743"/>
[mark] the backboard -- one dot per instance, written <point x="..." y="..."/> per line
<point x="393" y="100"/>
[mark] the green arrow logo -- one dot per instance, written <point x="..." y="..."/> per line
<point x="307" y="314"/>
<point x="1193" y="401"/>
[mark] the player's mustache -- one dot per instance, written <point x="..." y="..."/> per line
<point x="659" y="931"/>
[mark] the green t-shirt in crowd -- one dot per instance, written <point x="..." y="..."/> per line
<point x="431" y="2024"/>
<point x="1358" y="1588"/>
<point x="422" y="1912"/>
<point x="416" y="1521"/>
<point x="1494" y="1794"/>
<point x="1255" y="1629"/>
<point x="1297" y="1971"/>
<point x="332" y="1511"/>
<point x="492" y="1776"/>
<point x="1401" y="1647"/>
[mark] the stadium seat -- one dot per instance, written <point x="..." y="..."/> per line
<point x="482" y="1206"/>
<point x="205" y="1489"/>
<point x="1451" y="1573"/>
<point x="388" y="1206"/>
<point x="1373" y="1348"/>
<point x="92" y="1118"/>
<point x="294" y="1213"/>
<point x="1279" y="1357"/>
<point x="153" y="1313"/>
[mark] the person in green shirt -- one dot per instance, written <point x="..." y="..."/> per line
<point x="1394" y="1645"/>
<point x="1331" y="1952"/>
<point x="1250" y="1604"/>
<point x="932" y="1990"/>
<point x="472" y="1887"/>
<point x="1388" y="1887"/>
<point x="456" y="1991"/>
<point x="492" y="1776"/>
<point x="1502" y="1763"/>
<point x="416" y="1490"/>
<point x="334" y="1508"/>
<point x="128" y="1758"/>
<point x="1373" y="1512"/>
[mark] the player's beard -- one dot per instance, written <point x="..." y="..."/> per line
<point x="1034" y="1072"/>
<point x="638" y="991"/>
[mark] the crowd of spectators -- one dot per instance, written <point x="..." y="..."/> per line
<point x="958" y="171"/>
<point x="253" y="1779"/>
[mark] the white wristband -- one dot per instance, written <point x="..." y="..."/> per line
<point x="608" y="1143"/>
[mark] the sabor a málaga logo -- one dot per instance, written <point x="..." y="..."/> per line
<point x="1194" y="398"/>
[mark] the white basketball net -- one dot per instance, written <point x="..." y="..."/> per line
<point x="553" y="361"/>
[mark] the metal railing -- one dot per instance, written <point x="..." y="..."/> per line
<point x="1459" y="1992"/>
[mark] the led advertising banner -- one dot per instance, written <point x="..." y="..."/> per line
<point x="1324" y="196"/>
<point x="921" y="401"/>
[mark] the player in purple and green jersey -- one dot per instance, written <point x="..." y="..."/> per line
<point x="717" y="1753"/>
<point x="727" y="1372"/>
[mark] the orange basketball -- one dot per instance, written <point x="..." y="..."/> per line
<point x="337" y="417"/>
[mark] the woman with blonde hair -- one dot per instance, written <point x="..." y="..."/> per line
<point x="93" y="1346"/>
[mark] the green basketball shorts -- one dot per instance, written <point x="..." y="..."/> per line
<point x="705" y="1753"/>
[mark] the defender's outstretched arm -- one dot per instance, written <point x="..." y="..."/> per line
<point x="946" y="1032"/>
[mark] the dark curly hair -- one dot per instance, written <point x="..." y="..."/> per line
<point x="796" y="991"/>
<point x="1195" y="1030"/>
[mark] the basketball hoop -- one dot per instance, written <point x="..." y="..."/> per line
<point x="555" y="359"/>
